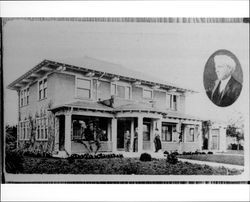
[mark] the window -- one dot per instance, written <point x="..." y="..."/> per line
<point x="83" y="89"/>
<point x="24" y="97"/>
<point x="168" y="132"/>
<point x="24" y="130"/>
<point x="148" y="94"/>
<point x="121" y="91"/>
<point x="42" y="89"/>
<point x="42" y="128"/>
<point x="171" y="101"/>
<point x="190" y="135"/>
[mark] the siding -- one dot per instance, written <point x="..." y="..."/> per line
<point x="136" y="93"/>
<point x="160" y="98"/>
<point x="64" y="88"/>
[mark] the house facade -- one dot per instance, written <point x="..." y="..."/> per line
<point x="58" y="100"/>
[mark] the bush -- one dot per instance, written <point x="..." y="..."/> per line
<point x="166" y="152"/>
<point x="210" y="152"/>
<point x="172" y="158"/>
<point x="14" y="161"/>
<point x="96" y="156"/>
<point x="36" y="154"/>
<point x="145" y="157"/>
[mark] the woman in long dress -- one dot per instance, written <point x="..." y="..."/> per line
<point x="157" y="140"/>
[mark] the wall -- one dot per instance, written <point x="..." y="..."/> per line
<point x="160" y="98"/>
<point x="63" y="88"/>
<point x="104" y="90"/>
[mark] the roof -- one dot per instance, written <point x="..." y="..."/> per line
<point x="98" y="66"/>
<point x="128" y="107"/>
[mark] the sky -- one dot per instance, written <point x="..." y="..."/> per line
<point x="175" y="52"/>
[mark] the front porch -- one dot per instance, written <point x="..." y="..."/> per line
<point x="71" y="137"/>
<point x="121" y="131"/>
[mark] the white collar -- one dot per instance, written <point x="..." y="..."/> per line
<point x="224" y="83"/>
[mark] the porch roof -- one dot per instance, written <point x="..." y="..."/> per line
<point x="139" y="107"/>
<point x="85" y="105"/>
<point x="133" y="107"/>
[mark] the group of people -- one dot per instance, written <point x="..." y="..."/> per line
<point x="93" y="136"/>
<point x="127" y="141"/>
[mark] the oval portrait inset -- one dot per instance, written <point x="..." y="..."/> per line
<point x="223" y="78"/>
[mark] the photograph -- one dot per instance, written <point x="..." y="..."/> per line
<point x="126" y="99"/>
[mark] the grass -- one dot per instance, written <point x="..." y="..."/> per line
<point x="121" y="166"/>
<point x="227" y="159"/>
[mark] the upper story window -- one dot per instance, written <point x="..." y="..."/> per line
<point x="121" y="90"/>
<point x="83" y="88"/>
<point x="24" y="130"/>
<point x="148" y="94"/>
<point x="24" y="97"/>
<point x="171" y="102"/>
<point x="42" y="89"/>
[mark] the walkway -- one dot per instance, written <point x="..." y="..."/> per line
<point x="213" y="164"/>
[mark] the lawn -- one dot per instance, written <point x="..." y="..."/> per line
<point x="117" y="166"/>
<point x="219" y="158"/>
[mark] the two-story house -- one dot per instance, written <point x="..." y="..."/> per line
<point x="59" y="99"/>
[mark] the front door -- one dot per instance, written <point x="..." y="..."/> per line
<point x="215" y="139"/>
<point x="61" y="132"/>
<point x="123" y="125"/>
<point x="147" y="134"/>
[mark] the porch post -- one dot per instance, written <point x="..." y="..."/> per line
<point x="67" y="144"/>
<point x="132" y="128"/>
<point x="56" y="147"/>
<point x="114" y="134"/>
<point x="140" y="134"/>
<point x="200" y="136"/>
<point x="209" y="146"/>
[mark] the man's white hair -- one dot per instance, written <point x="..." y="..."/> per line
<point x="225" y="60"/>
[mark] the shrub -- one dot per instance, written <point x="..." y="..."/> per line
<point x="36" y="154"/>
<point x="145" y="157"/>
<point x="172" y="158"/>
<point x="165" y="152"/>
<point x="91" y="156"/>
<point x="13" y="161"/>
<point x="210" y="152"/>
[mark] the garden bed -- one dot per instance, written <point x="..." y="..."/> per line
<point x="218" y="158"/>
<point x="45" y="165"/>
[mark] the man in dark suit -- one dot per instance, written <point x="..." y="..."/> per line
<point x="226" y="89"/>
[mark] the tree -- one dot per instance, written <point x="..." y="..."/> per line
<point x="237" y="132"/>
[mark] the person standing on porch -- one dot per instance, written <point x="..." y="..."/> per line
<point x="157" y="140"/>
<point x="90" y="135"/>
<point x="135" y="146"/>
<point x="127" y="140"/>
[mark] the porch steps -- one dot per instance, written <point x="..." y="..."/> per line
<point x="60" y="154"/>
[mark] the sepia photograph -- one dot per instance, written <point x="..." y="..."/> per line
<point x="126" y="99"/>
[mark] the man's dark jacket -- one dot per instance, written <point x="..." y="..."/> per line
<point x="228" y="96"/>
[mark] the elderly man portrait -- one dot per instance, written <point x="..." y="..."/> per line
<point x="226" y="88"/>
